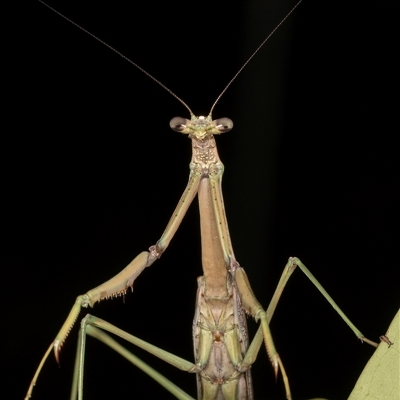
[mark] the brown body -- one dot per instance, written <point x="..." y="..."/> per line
<point x="220" y="335"/>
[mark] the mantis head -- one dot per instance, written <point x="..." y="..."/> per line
<point x="201" y="127"/>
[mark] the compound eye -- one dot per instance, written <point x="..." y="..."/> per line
<point x="178" y="124"/>
<point x="223" y="124"/>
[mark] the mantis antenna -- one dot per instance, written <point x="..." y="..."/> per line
<point x="155" y="79"/>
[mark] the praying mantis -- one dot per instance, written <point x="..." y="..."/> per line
<point x="146" y="271"/>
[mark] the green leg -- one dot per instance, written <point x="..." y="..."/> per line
<point x="291" y="265"/>
<point x="254" y="308"/>
<point x="90" y="325"/>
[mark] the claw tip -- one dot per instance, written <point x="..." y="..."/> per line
<point x="276" y="369"/>
<point x="57" y="349"/>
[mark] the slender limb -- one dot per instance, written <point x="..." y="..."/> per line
<point x="384" y="338"/>
<point x="39" y="368"/>
<point x="291" y="265"/>
<point x="94" y="326"/>
<point x="179" y="212"/>
<point x="252" y="306"/>
<point x="255" y="345"/>
<point x="220" y="216"/>
<point x="247" y="298"/>
<point x="312" y="278"/>
<point x="162" y="380"/>
<point x="120" y="283"/>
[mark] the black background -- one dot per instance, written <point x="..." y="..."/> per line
<point x="92" y="173"/>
